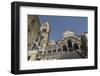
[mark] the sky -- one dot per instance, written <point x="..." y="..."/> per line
<point x="59" y="24"/>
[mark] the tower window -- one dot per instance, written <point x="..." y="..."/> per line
<point x="43" y="30"/>
<point x="42" y="37"/>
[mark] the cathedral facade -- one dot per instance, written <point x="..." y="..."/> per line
<point x="69" y="43"/>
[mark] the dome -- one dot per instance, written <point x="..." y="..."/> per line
<point x="68" y="33"/>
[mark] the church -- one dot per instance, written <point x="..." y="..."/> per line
<point x="67" y="44"/>
<point x="40" y="47"/>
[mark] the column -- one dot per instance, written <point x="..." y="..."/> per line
<point x="73" y="46"/>
<point x="61" y="48"/>
<point x="67" y="48"/>
<point x="79" y="46"/>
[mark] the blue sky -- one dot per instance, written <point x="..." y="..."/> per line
<point x="59" y="24"/>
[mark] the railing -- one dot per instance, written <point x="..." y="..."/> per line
<point x="81" y="53"/>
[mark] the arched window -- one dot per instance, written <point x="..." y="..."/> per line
<point x="49" y="51"/>
<point x="54" y="50"/>
<point x="65" y="48"/>
<point x="70" y="45"/>
<point x="59" y="50"/>
<point x="76" y="46"/>
<point x="43" y="30"/>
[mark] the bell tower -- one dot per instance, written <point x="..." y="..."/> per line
<point x="45" y="29"/>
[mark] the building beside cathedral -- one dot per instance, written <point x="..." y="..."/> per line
<point x="33" y="38"/>
<point x="38" y="36"/>
<point x="40" y="47"/>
